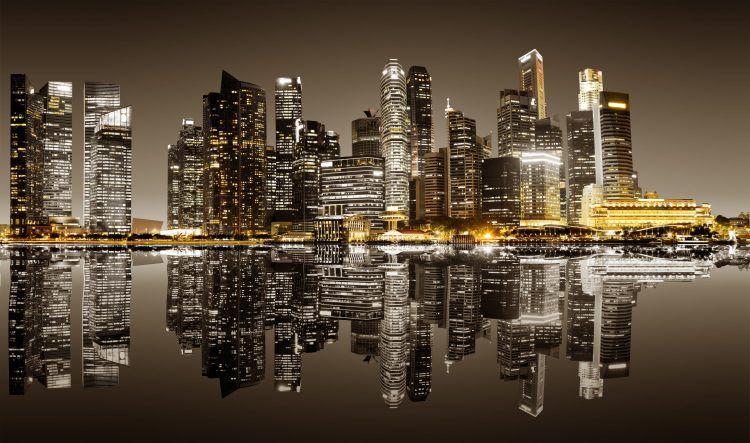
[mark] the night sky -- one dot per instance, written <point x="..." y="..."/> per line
<point x="685" y="68"/>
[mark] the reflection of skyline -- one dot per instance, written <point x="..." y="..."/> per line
<point x="218" y="299"/>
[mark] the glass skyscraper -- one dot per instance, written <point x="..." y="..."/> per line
<point x="394" y="141"/>
<point x="531" y="71"/>
<point x="58" y="149"/>
<point x="355" y="182"/>
<point x="419" y="103"/>
<point x="185" y="178"/>
<point x="288" y="101"/>
<point x="366" y="135"/>
<point x="614" y="146"/>
<point x="465" y="160"/>
<point x="581" y="163"/>
<point x="515" y="123"/>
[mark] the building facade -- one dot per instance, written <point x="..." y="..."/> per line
<point x="614" y="146"/>
<point x="540" y="189"/>
<point x="288" y="101"/>
<point x="590" y="85"/>
<point x="357" y="183"/>
<point x="394" y="141"/>
<point x="515" y="123"/>
<point x="58" y="149"/>
<point x="436" y="194"/>
<point x="581" y="162"/>
<point x="186" y="179"/>
<point x="501" y="191"/>
<point x="465" y="163"/>
<point x="419" y="103"/>
<point x="531" y="73"/>
<point x="366" y="135"/>
<point x="306" y="173"/>
<point x="548" y="138"/>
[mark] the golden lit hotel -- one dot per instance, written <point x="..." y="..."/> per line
<point x="646" y="212"/>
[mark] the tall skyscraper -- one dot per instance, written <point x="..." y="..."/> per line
<point x="394" y="141"/>
<point x="356" y="183"/>
<point x="501" y="191"/>
<point x="58" y="149"/>
<point x="234" y="121"/>
<point x="288" y="100"/>
<point x="112" y="165"/>
<point x="465" y="165"/>
<point x="548" y="138"/>
<point x="515" y="123"/>
<point x="26" y="156"/>
<point x="436" y="194"/>
<point x="540" y="189"/>
<point x="614" y="146"/>
<point x="581" y="164"/>
<point x="98" y="98"/>
<point x="419" y="103"/>
<point x="185" y="176"/>
<point x="590" y="85"/>
<point x="306" y="173"/>
<point x="531" y="72"/>
<point x="366" y="135"/>
<point x="331" y="146"/>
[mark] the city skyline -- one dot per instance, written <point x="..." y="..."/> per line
<point x="659" y="138"/>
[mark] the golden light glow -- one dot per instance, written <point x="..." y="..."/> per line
<point x="617" y="105"/>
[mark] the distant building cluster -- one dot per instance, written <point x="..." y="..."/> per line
<point x="225" y="180"/>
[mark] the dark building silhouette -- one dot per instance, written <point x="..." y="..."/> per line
<point x="501" y="191"/>
<point x="288" y="100"/>
<point x="419" y="106"/>
<point x="366" y="135"/>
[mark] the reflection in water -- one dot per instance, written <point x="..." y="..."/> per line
<point x="542" y="303"/>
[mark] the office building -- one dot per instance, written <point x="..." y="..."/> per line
<point x="234" y="121"/>
<point x="306" y="173"/>
<point x="288" y="108"/>
<point x="531" y="72"/>
<point x="649" y="211"/>
<point x="98" y="98"/>
<point x="185" y="179"/>
<point x="501" y="191"/>
<point x="416" y="198"/>
<point x="394" y="141"/>
<point x="436" y="194"/>
<point x="419" y="104"/>
<point x="548" y="138"/>
<point x="540" y="189"/>
<point x="465" y="162"/>
<point x="357" y="183"/>
<point x="112" y="166"/>
<point x="515" y="123"/>
<point x="58" y="149"/>
<point x="581" y="162"/>
<point x="590" y="85"/>
<point x="366" y="135"/>
<point x="614" y="146"/>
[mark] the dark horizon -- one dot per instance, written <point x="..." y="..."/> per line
<point x="167" y="56"/>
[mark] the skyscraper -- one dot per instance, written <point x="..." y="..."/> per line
<point x="465" y="165"/>
<point x="515" y="123"/>
<point x="26" y="156"/>
<point x="531" y="72"/>
<point x="234" y="121"/>
<point x="540" y="189"/>
<point x="306" y="173"/>
<point x="436" y="194"/>
<point x="614" y="146"/>
<point x="501" y="191"/>
<point x="98" y="98"/>
<point x="356" y="183"/>
<point x="366" y="135"/>
<point x="288" y="101"/>
<point x="185" y="175"/>
<point x="548" y="138"/>
<point x="590" y="85"/>
<point x="112" y="166"/>
<point x="581" y="164"/>
<point x="419" y="103"/>
<point x="58" y="149"/>
<point x="394" y="141"/>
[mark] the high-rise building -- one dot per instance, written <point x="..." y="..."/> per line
<point x="436" y="195"/>
<point x="581" y="161"/>
<point x="548" y="138"/>
<point x="501" y="191"/>
<point x="394" y="141"/>
<point x="419" y="103"/>
<point x="366" y="135"/>
<point x="531" y="73"/>
<point x="112" y="166"/>
<point x="465" y="161"/>
<point x="540" y="189"/>
<point x="515" y="123"/>
<point x="356" y="183"/>
<point x="98" y="98"/>
<point x="416" y="198"/>
<point x="485" y="146"/>
<point x="288" y="101"/>
<point x="58" y="149"/>
<point x="331" y="146"/>
<point x="185" y="176"/>
<point x="26" y="156"/>
<point x="271" y="179"/>
<point x="306" y="173"/>
<point x="590" y="84"/>
<point x="234" y="121"/>
<point x="614" y="146"/>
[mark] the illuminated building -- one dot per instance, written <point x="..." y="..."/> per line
<point x="366" y="135"/>
<point x="465" y="163"/>
<point x="501" y="191"/>
<point x="435" y="287"/>
<point x="394" y="141"/>
<point x="394" y="333"/>
<point x="26" y="156"/>
<point x="355" y="182"/>
<point x="613" y="146"/>
<point x="590" y="84"/>
<point x="58" y="149"/>
<point x="419" y="369"/>
<point x="485" y="146"/>
<point x="615" y="214"/>
<point x="270" y="179"/>
<point x="515" y="123"/>
<point x="185" y="179"/>
<point x="234" y="121"/>
<point x="285" y="283"/>
<point x="288" y="100"/>
<point x="548" y="138"/>
<point x="351" y="293"/>
<point x="531" y="71"/>
<point x="306" y="173"/>
<point x="540" y="189"/>
<point x="464" y="312"/>
<point x="419" y="105"/>
<point x="112" y="166"/>
<point x="581" y="161"/>
<point x="515" y="348"/>
<point x="436" y="195"/>
<point x="98" y="98"/>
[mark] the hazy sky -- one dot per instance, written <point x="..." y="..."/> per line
<point x="685" y="68"/>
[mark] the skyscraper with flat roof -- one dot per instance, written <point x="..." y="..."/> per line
<point x="515" y="123"/>
<point x="185" y="177"/>
<point x="581" y="162"/>
<point x="540" y="189"/>
<point x="394" y="141"/>
<point x="465" y="160"/>
<point x="419" y="103"/>
<point x="531" y="73"/>
<point x="357" y="183"/>
<point x="436" y="194"/>
<point x="614" y="146"/>
<point x="288" y="101"/>
<point x="58" y="149"/>
<point x="366" y="135"/>
<point x="501" y="191"/>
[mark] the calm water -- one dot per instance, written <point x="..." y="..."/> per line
<point x="365" y="344"/>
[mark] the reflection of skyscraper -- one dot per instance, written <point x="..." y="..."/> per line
<point x="515" y="348"/>
<point x="464" y="311"/>
<point x="286" y="281"/>
<point x="185" y="297"/>
<point x="351" y="293"/>
<point x="579" y="315"/>
<point x="394" y="330"/>
<point x="419" y="103"/>
<point x="539" y="302"/>
<point x="419" y="371"/>
<point x="365" y="337"/>
<point x="501" y="285"/>
<point x="106" y="316"/>
<point x="394" y="141"/>
<point x="532" y="387"/>
<point x="288" y="98"/>
<point x="435" y="288"/>
<point x="617" y="303"/>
